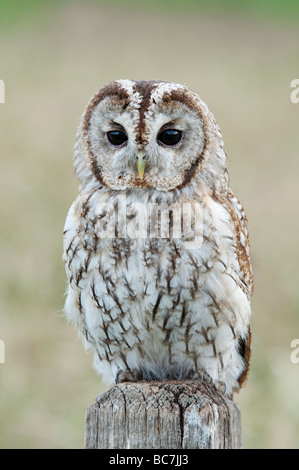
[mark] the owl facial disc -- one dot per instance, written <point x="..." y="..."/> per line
<point x="165" y="125"/>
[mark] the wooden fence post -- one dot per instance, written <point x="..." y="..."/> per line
<point x="163" y="415"/>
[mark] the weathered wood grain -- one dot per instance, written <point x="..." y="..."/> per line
<point x="163" y="415"/>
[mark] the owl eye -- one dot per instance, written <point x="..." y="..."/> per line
<point x="117" y="138"/>
<point x="170" y="137"/>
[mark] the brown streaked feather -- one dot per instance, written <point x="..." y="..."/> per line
<point x="239" y="221"/>
<point x="245" y="351"/>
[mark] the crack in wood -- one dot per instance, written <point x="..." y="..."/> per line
<point x="170" y="414"/>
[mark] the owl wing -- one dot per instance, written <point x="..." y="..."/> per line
<point x="77" y="256"/>
<point x="240" y="222"/>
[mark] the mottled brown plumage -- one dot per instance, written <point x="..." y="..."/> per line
<point x="156" y="244"/>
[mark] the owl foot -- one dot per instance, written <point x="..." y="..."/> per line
<point x="128" y="375"/>
<point x="201" y="375"/>
<point x="204" y="377"/>
<point x="221" y="386"/>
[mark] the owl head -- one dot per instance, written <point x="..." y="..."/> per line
<point x="151" y="135"/>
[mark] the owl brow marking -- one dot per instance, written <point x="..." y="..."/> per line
<point x="145" y="89"/>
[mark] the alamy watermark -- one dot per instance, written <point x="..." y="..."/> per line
<point x="138" y="220"/>
<point x="295" y="354"/>
<point x="2" y="92"/>
<point x="2" y="345"/>
<point x="294" y="97"/>
<point x="2" y="351"/>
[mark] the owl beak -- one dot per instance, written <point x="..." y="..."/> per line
<point x="141" y="163"/>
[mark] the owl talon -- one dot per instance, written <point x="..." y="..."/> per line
<point x="117" y="376"/>
<point x="202" y="376"/>
<point x="128" y="375"/>
<point x="221" y="386"/>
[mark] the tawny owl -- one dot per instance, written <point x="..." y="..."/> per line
<point x="156" y="244"/>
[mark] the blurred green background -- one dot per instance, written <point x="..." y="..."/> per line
<point x="240" y="57"/>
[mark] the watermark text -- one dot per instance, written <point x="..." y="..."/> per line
<point x="2" y="351"/>
<point x="153" y="220"/>
<point x="295" y="93"/>
<point x="295" y="353"/>
<point x="2" y="92"/>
